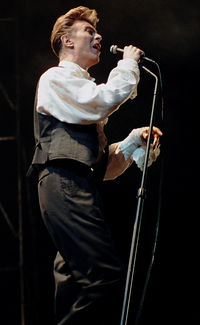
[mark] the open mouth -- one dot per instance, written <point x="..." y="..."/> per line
<point x="97" y="47"/>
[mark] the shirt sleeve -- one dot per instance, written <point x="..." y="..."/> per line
<point x="70" y="97"/>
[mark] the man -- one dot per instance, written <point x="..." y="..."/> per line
<point x="72" y="158"/>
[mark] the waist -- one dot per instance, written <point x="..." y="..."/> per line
<point x="72" y="165"/>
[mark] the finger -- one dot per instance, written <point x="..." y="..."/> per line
<point x="156" y="140"/>
<point x="157" y="130"/>
<point x="141" y="53"/>
<point x="145" y="134"/>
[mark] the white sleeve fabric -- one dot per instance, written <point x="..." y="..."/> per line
<point x="68" y="93"/>
<point x="135" y="148"/>
<point x="130" y="143"/>
<point x="139" y="156"/>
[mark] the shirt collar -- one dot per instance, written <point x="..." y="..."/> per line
<point x="76" y="67"/>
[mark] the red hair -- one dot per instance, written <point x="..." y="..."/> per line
<point x="63" y="24"/>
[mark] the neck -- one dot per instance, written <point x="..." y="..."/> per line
<point x="72" y="58"/>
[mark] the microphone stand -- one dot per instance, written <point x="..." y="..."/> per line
<point x="138" y="218"/>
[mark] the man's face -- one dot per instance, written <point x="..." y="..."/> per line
<point x="86" y="44"/>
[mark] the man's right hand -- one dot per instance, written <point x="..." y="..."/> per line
<point x="132" y="52"/>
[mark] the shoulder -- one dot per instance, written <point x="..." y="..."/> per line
<point x="59" y="73"/>
<point x="51" y="73"/>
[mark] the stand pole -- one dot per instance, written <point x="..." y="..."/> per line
<point x="138" y="218"/>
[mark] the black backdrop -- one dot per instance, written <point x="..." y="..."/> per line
<point x="168" y="32"/>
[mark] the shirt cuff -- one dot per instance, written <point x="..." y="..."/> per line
<point x="129" y="64"/>
<point x="130" y="143"/>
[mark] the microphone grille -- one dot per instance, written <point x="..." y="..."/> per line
<point x="113" y="49"/>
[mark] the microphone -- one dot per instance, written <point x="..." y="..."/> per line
<point x="114" y="49"/>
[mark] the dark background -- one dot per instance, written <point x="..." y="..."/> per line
<point x="168" y="32"/>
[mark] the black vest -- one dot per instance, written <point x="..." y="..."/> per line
<point x="56" y="140"/>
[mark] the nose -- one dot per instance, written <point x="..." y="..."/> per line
<point x="98" y="37"/>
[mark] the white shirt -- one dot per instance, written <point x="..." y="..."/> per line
<point x="68" y="93"/>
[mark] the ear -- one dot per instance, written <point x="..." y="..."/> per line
<point x="67" y="42"/>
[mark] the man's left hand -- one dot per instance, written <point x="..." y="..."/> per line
<point x="156" y="133"/>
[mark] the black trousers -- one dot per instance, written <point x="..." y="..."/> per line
<point x="88" y="274"/>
